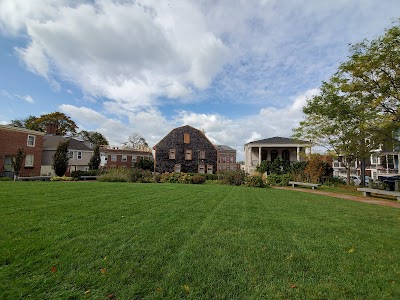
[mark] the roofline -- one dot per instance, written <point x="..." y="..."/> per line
<point x="19" y="129"/>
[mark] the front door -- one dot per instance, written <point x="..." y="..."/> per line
<point x="7" y="164"/>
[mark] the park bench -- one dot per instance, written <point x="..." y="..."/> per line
<point x="34" y="178"/>
<point x="367" y="192"/>
<point x="88" y="177"/>
<point x="312" y="185"/>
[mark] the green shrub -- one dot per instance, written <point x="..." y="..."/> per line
<point x="169" y="177"/>
<point x="198" y="179"/>
<point x="205" y="175"/>
<point x="232" y="177"/>
<point x="254" y="181"/>
<point x="61" y="178"/>
<point x="118" y="175"/>
<point x="5" y="179"/>
<point x="278" y="180"/>
<point x="77" y="174"/>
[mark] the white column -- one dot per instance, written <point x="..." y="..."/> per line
<point x="259" y="155"/>
<point x="298" y="154"/>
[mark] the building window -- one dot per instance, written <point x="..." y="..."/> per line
<point x="31" y="141"/>
<point x="177" y="168"/>
<point x="171" y="153"/>
<point x="113" y="157"/>
<point x="209" y="169"/>
<point x="79" y="155"/>
<point x="188" y="155"/>
<point x="285" y="156"/>
<point x="71" y="154"/>
<point x="86" y="168"/>
<point x="29" y="158"/>
<point x="186" y="138"/>
<point x="202" y="154"/>
<point x="201" y="169"/>
<point x="274" y="154"/>
<point x="124" y="158"/>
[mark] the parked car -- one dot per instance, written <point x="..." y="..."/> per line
<point x="355" y="179"/>
<point x="389" y="181"/>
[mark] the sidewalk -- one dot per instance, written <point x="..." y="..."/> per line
<point x="371" y="200"/>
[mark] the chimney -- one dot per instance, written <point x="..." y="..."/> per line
<point x="51" y="128"/>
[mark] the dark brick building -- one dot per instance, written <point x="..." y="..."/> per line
<point x="14" y="138"/>
<point x="116" y="157"/>
<point x="185" y="149"/>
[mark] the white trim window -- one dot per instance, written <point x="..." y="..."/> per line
<point x="29" y="159"/>
<point x="71" y="154"/>
<point x="31" y="140"/>
<point x="79" y="155"/>
<point x="124" y="158"/>
<point x="113" y="157"/>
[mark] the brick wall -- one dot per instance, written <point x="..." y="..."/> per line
<point x="11" y="139"/>
<point x="175" y="140"/>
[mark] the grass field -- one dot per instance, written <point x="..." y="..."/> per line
<point x="80" y="240"/>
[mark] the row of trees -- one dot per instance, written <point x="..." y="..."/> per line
<point x="358" y="108"/>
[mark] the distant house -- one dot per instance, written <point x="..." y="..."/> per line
<point x="14" y="138"/>
<point x="122" y="157"/>
<point x="79" y="151"/>
<point x="227" y="158"/>
<point x="185" y="149"/>
<point x="289" y="150"/>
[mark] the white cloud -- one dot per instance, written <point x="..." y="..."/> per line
<point x="129" y="52"/>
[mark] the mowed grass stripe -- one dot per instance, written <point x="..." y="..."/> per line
<point x="157" y="241"/>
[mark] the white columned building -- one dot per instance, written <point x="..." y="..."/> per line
<point x="289" y="150"/>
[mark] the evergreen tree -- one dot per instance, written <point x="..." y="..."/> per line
<point x="17" y="161"/>
<point x="95" y="159"/>
<point x="60" y="158"/>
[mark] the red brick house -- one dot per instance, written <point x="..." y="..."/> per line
<point x="14" y="138"/>
<point x="122" y="157"/>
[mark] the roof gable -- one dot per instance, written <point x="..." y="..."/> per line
<point x="279" y="140"/>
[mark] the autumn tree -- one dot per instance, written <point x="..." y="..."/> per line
<point x="96" y="138"/>
<point x="60" y="158"/>
<point x="360" y="102"/>
<point x="64" y="124"/>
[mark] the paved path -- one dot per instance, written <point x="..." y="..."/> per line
<point x="371" y="200"/>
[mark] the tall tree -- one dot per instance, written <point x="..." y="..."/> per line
<point x="64" y="124"/>
<point x="135" y="140"/>
<point x="95" y="160"/>
<point x="96" y="138"/>
<point x="28" y="123"/>
<point x="17" y="162"/>
<point x="60" y="158"/>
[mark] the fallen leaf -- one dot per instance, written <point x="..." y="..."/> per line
<point x="53" y="269"/>
<point x="186" y="288"/>
<point x="352" y="250"/>
<point x="87" y="293"/>
<point x="293" y="286"/>
<point x="103" y="271"/>
<point x="110" y="296"/>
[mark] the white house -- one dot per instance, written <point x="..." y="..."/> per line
<point x="289" y="150"/>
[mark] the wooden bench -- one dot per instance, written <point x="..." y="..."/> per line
<point x="43" y="178"/>
<point x="367" y="192"/>
<point x="88" y="177"/>
<point x="312" y="185"/>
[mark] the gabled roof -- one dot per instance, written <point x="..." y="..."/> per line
<point x="187" y="126"/>
<point x="19" y="129"/>
<point x="224" y="148"/>
<point x="280" y="141"/>
<point x="50" y="142"/>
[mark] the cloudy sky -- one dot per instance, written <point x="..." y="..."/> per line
<point x="240" y="70"/>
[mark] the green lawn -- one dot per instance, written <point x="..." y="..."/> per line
<point x="77" y="240"/>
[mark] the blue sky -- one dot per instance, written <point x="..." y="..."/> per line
<point x="240" y="70"/>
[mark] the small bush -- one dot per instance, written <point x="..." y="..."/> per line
<point x="254" y="181"/>
<point x="198" y="179"/>
<point x="278" y="180"/>
<point x="232" y="177"/>
<point x="5" y="179"/>
<point x="379" y="185"/>
<point x="118" y="175"/>
<point x="77" y="174"/>
<point x="61" y="178"/>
